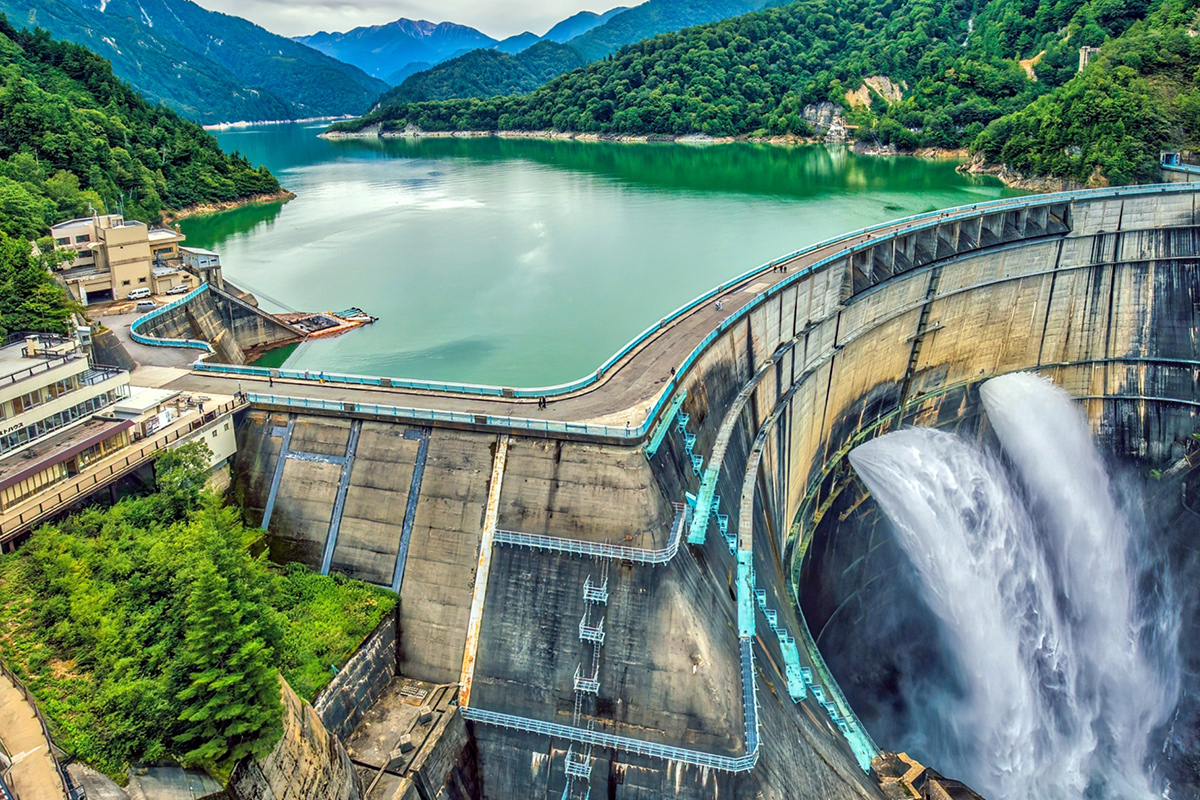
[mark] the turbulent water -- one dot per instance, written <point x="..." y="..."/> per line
<point x="1048" y="594"/>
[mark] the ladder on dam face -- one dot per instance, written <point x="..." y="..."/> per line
<point x="578" y="766"/>
<point x="597" y="592"/>
<point x="589" y="632"/>
<point x="918" y="338"/>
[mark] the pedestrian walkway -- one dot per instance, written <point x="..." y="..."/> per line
<point x="34" y="773"/>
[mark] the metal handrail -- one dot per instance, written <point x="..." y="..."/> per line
<point x="625" y="743"/>
<point x="69" y="789"/>
<point x="158" y="341"/>
<point x="460" y="417"/>
<point x="577" y="547"/>
<point x="45" y="366"/>
<point x="89" y="481"/>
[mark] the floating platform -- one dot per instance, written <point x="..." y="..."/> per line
<point x="328" y="323"/>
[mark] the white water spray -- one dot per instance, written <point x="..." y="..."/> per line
<point x="1065" y="674"/>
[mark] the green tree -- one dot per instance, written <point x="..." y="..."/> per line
<point x="231" y="703"/>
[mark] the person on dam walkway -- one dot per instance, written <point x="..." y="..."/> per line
<point x="270" y="381"/>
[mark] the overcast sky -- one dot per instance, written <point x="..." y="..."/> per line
<point x="496" y="18"/>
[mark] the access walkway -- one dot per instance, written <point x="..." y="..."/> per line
<point x="625" y="392"/>
<point x="34" y="774"/>
<point x="27" y="514"/>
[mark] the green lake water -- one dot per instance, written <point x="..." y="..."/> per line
<point x="528" y="263"/>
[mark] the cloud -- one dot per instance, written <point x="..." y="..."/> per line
<point x="498" y="20"/>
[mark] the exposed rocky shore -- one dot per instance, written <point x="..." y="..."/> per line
<point x="208" y="208"/>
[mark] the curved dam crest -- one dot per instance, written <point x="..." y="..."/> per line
<point x="709" y="653"/>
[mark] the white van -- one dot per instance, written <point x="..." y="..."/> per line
<point x="146" y="305"/>
<point x="139" y="294"/>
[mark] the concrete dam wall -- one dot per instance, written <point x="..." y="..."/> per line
<point x="229" y="325"/>
<point x="627" y="617"/>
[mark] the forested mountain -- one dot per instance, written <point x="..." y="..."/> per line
<point x="655" y="17"/>
<point x="957" y="65"/>
<point x="480" y="75"/>
<point x="519" y="42"/>
<point x="487" y="73"/>
<point x="398" y="49"/>
<point x="210" y="67"/>
<point x="74" y="138"/>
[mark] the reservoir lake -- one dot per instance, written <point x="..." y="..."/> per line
<point x="525" y="262"/>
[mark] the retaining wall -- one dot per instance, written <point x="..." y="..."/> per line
<point x="228" y="324"/>
<point x="358" y="684"/>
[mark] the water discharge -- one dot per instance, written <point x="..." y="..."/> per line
<point x="1066" y="668"/>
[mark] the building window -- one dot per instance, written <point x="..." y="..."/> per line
<point x="124" y="283"/>
<point x="59" y="388"/>
<point x="84" y="238"/>
<point x="27" y="401"/>
<point x="141" y="280"/>
<point x="63" y="240"/>
<point x="65" y="417"/>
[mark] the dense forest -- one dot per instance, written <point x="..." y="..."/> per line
<point x="156" y="628"/>
<point x="996" y="75"/>
<point x="74" y="138"/>
<point x="209" y="67"/>
<point x="487" y="73"/>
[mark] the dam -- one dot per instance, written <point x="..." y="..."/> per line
<point x="620" y="585"/>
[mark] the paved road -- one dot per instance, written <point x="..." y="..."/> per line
<point x="180" y="357"/>
<point x="625" y="394"/>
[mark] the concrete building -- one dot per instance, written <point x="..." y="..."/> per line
<point x="49" y="398"/>
<point x="204" y="264"/>
<point x="114" y="257"/>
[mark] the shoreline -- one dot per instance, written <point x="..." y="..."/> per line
<point x="698" y="139"/>
<point x="225" y="126"/>
<point x="1017" y="180"/>
<point x="375" y="132"/>
<point x="211" y="208"/>
<point x="972" y="165"/>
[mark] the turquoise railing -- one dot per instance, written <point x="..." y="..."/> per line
<point x="627" y="744"/>
<point x="903" y="226"/>
<point x="157" y="341"/>
<point x="431" y="415"/>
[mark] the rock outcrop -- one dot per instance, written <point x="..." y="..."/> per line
<point x="826" y="119"/>
<point x="308" y="762"/>
<point x="880" y="85"/>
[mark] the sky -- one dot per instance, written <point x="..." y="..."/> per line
<point x="496" y="18"/>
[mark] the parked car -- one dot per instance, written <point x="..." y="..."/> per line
<point x="138" y="294"/>
<point x="182" y="288"/>
<point x="146" y="305"/>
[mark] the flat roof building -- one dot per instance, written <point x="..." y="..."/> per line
<point x="50" y="395"/>
<point x="115" y="256"/>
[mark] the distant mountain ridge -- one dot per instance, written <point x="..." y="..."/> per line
<point x="491" y="73"/>
<point x="209" y="67"/>
<point x="380" y="50"/>
<point x="580" y="24"/>
<point x="400" y="48"/>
